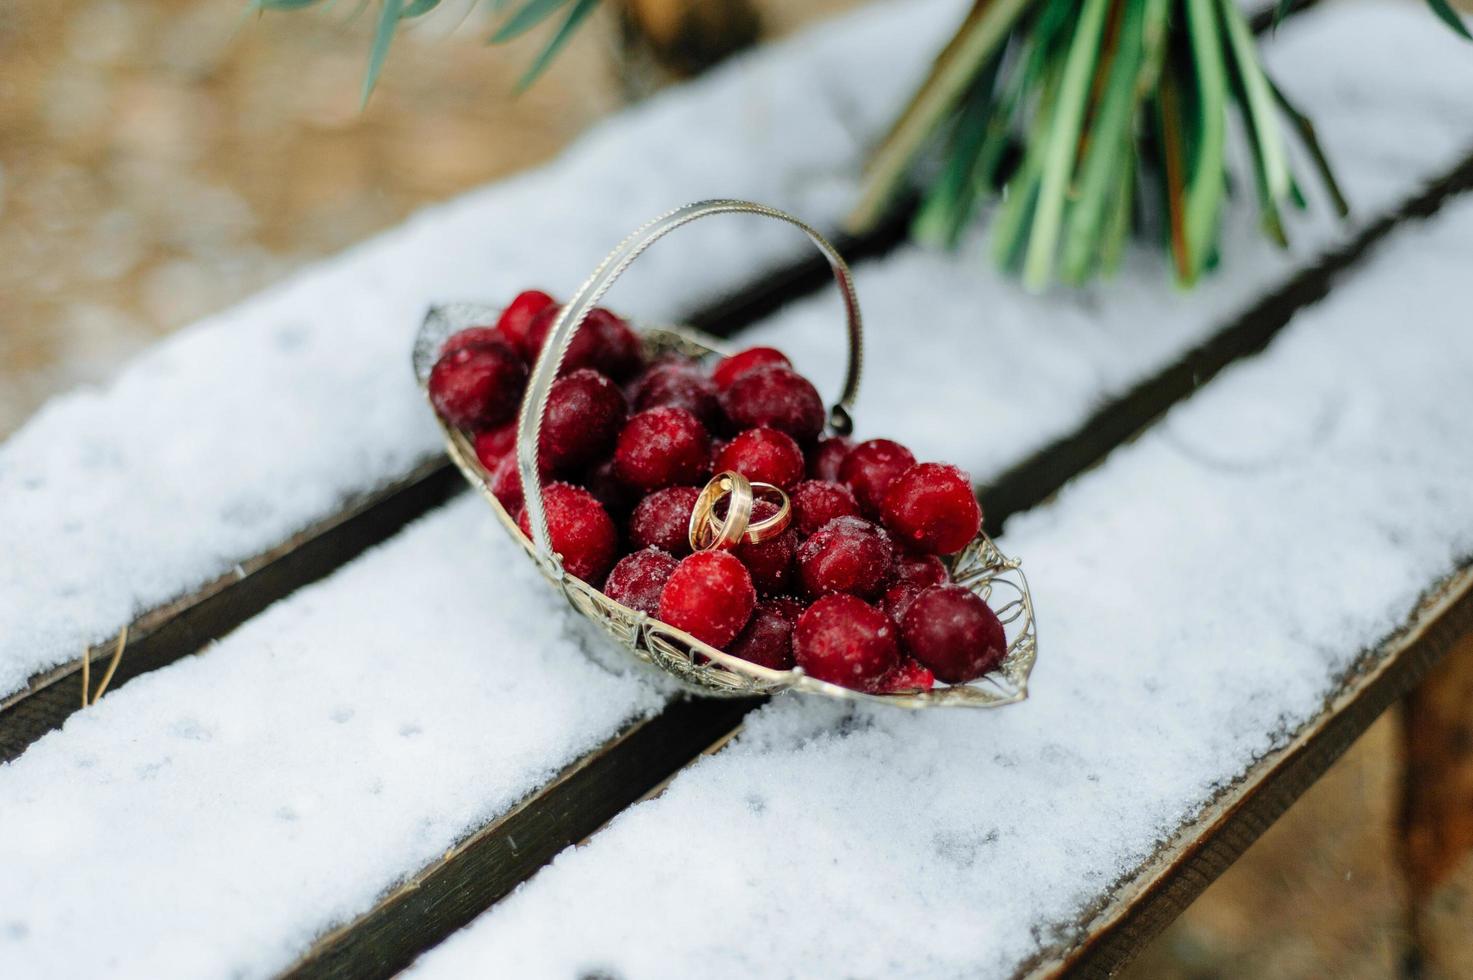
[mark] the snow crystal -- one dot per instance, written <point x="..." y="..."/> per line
<point x="1385" y="85"/>
<point x="233" y="434"/>
<point x="1198" y="597"/>
<point x="212" y="818"/>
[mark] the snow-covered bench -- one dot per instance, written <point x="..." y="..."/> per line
<point x="376" y="759"/>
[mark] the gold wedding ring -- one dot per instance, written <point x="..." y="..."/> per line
<point x="708" y="530"/>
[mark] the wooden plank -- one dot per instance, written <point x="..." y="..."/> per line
<point x="164" y="635"/>
<point x="1202" y="850"/>
<point x="496" y="858"/>
<point x="1436" y="825"/>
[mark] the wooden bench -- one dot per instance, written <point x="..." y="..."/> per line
<point x="331" y="789"/>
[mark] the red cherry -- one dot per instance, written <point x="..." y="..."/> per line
<point x="493" y="444"/>
<point x="771" y="561"/>
<point x="662" y="447"/>
<point x="844" y="640"/>
<point x="478" y="387"/>
<point x="908" y="675"/>
<point x="897" y="600"/>
<point x="679" y="384"/>
<point x="505" y="484"/>
<point x="816" y="502"/>
<point x="786" y="606"/>
<point x="662" y="520"/>
<point x="848" y="554"/>
<point x="951" y="630"/>
<point x="603" y="342"/>
<point x="921" y="571"/>
<point x="767" y="639"/>
<point x="638" y="579"/>
<point x="931" y="507"/>
<point x="710" y="596"/>
<point x="778" y="397"/>
<point x="870" y="468"/>
<point x="744" y="362"/>
<point x="616" y="496"/>
<point x="475" y="337"/>
<point x="580" y="529"/>
<point x="763" y="455"/>
<point x="516" y="320"/>
<point x="585" y="412"/>
<point x="827" y="457"/>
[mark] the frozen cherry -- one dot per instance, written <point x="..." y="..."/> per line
<point x="844" y="640"/>
<point x="585" y="412"/>
<point x="710" y="596"/>
<point x="616" y="496"/>
<point x="931" y="507"/>
<point x="580" y="529"/>
<point x="475" y="337"/>
<point x="478" y="387"/>
<point x="638" y="579"/>
<point x="662" y="520"/>
<point x="897" y="599"/>
<point x="763" y="455"/>
<point x="786" y="606"/>
<point x="827" y="457"/>
<point x="603" y="342"/>
<point x="908" y="675"/>
<point x="745" y="362"/>
<point x="848" y="554"/>
<point x="505" y="484"/>
<point x="662" y="447"/>
<point x="770" y="561"/>
<point x="778" y="397"/>
<point x="918" y="570"/>
<point x="767" y="639"/>
<point x="679" y="385"/>
<point x="870" y="468"/>
<point x="516" y="320"/>
<point x="951" y="630"/>
<point x="816" y="502"/>
<point x="493" y="444"/>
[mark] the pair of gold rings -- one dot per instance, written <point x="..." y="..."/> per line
<point x="711" y="528"/>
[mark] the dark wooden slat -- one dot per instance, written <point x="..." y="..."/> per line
<point x="1436" y="826"/>
<point x="1201" y="850"/>
<point x="480" y="870"/>
<point x="164" y="635"/>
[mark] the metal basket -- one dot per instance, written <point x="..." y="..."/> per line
<point x="699" y="667"/>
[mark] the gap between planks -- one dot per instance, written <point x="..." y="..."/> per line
<point x="1021" y="488"/>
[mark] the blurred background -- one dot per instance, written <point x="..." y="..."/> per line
<point x="161" y="159"/>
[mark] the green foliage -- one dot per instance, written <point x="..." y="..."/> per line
<point x="523" y="17"/>
<point x="1079" y="116"/>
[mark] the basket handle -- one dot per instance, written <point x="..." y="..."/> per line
<point x="544" y="372"/>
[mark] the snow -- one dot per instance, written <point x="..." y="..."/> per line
<point x="233" y="434"/>
<point x="1384" y="84"/>
<point x="211" y="818"/>
<point x="1198" y="597"/>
